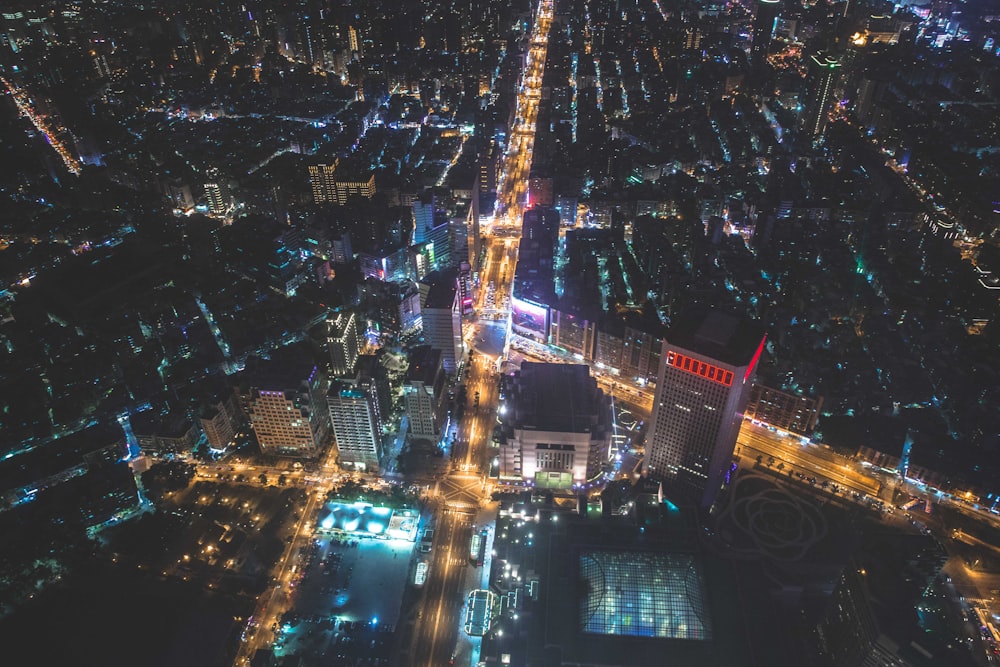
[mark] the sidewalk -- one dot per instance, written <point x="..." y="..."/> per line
<point x="467" y="650"/>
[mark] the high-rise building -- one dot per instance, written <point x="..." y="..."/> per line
<point x="422" y="392"/>
<point x="356" y="423"/>
<point x="473" y="223"/>
<point x="285" y="400"/>
<point x="458" y="242"/>
<point x="539" y="238"/>
<point x="706" y="372"/>
<point x="540" y="186"/>
<point x="824" y="70"/>
<point x="354" y="41"/>
<point x="424" y="210"/>
<point x="217" y="193"/>
<point x="556" y="425"/>
<point x="335" y="182"/>
<point x="371" y="373"/>
<point x="437" y="246"/>
<point x="354" y="184"/>
<point x="566" y="205"/>
<point x="323" y="182"/>
<point x="178" y="192"/>
<point x="692" y="38"/>
<point x="220" y="420"/>
<point x="343" y="342"/>
<point x="763" y="29"/>
<point x="465" y="287"/>
<point x="490" y="158"/>
<point x="441" y="314"/>
<point x="849" y="631"/>
<point x="869" y="100"/>
<point x="574" y="329"/>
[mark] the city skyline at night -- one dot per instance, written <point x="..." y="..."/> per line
<point x="541" y="332"/>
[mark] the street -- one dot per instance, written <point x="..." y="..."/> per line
<point x="275" y="600"/>
<point x="462" y="492"/>
<point x="811" y="460"/>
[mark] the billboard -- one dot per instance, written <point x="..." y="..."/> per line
<point x="553" y="480"/>
<point x="529" y="316"/>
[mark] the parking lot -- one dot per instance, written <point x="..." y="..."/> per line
<point x="348" y="600"/>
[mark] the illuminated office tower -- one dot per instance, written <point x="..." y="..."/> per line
<point x="217" y="193"/>
<point x="343" y="342"/>
<point x="706" y="372"/>
<point x="336" y="181"/>
<point x="323" y="182"/>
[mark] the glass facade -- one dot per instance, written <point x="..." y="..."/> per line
<point x="643" y="595"/>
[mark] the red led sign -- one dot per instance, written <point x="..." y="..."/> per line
<point x="700" y="368"/>
<point x="756" y="358"/>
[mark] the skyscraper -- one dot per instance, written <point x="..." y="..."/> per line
<point x="342" y="342"/>
<point x="217" y="192"/>
<point x="422" y="392"/>
<point x="371" y="373"/>
<point x="706" y="372"/>
<point x="824" y="69"/>
<point x="220" y="419"/>
<point x="763" y="29"/>
<point x="441" y="313"/>
<point x="357" y="426"/>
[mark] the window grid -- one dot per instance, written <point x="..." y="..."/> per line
<point x="643" y="595"/>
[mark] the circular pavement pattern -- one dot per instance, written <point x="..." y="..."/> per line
<point x="764" y="520"/>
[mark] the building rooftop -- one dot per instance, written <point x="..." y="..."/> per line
<point x="173" y="425"/>
<point x="59" y="455"/>
<point x="287" y="369"/>
<point x="720" y="335"/>
<point x="368" y="366"/>
<point x="346" y="388"/>
<point x="643" y="595"/>
<point x="442" y="289"/>
<point x="425" y="364"/>
<point x="441" y="295"/>
<point x="556" y="397"/>
<point x="611" y="592"/>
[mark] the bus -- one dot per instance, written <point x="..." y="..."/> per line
<point x="421" y="576"/>
<point x="477" y="548"/>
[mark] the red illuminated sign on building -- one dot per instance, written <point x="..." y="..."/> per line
<point x="700" y="368"/>
<point x="756" y="358"/>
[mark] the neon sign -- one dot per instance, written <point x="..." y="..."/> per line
<point x="756" y="358"/>
<point x="700" y="368"/>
